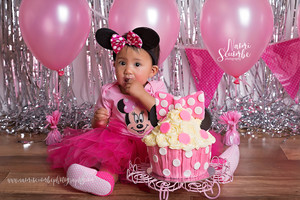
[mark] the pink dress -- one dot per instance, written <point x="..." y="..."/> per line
<point x="114" y="146"/>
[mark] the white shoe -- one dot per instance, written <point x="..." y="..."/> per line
<point x="90" y="180"/>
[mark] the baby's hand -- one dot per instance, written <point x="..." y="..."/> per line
<point x="101" y="118"/>
<point x="134" y="88"/>
<point x="137" y="90"/>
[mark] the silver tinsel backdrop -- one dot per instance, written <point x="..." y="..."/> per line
<point x="28" y="90"/>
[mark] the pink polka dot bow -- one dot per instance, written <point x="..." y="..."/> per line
<point x="194" y="103"/>
<point x="118" y="42"/>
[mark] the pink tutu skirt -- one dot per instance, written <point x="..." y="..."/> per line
<point x="97" y="147"/>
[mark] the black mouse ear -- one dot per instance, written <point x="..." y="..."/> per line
<point x="149" y="37"/>
<point x="207" y="121"/>
<point x="152" y="116"/>
<point x="103" y="36"/>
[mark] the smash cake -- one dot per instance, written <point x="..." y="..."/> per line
<point x="178" y="149"/>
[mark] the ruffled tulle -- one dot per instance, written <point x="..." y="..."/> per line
<point x="101" y="146"/>
<point x="218" y="146"/>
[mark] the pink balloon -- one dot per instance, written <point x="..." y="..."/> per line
<point x="161" y="16"/>
<point x="55" y="30"/>
<point x="298" y="20"/>
<point x="236" y="32"/>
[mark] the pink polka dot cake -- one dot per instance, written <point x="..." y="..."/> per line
<point x="178" y="149"/>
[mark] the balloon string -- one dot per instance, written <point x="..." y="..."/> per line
<point x="236" y="96"/>
<point x="236" y="83"/>
<point x="245" y="83"/>
<point x="56" y="92"/>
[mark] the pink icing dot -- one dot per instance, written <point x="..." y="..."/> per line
<point x="184" y="138"/>
<point x="165" y="127"/>
<point x="203" y="134"/>
<point x="185" y="115"/>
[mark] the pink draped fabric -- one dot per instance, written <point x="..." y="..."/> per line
<point x="206" y="73"/>
<point x="283" y="59"/>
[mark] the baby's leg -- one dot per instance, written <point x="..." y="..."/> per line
<point x="86" y="179"/>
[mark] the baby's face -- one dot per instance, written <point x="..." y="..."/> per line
<point x="133" y="63"/>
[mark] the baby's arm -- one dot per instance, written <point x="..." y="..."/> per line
<point x="135" y="89"/>
<point x="101" y="118"/>
<point x="147" y="100"/>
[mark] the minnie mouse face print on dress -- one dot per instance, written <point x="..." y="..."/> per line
<point x="137" y="119"/>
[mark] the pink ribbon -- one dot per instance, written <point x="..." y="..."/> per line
<point x="54" y="135"/>
<point x="118" y="42"/>
<point x="166" y="102"/>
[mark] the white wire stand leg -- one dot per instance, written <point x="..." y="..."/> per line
<point x="210" y="187"/>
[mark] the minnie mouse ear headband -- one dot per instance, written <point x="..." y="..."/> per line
<point x="142" y="37"/>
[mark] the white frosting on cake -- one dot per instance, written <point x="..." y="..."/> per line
<point x="179" y="130"/>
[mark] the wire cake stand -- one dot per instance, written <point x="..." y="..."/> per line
<point x="219" y="173"/>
